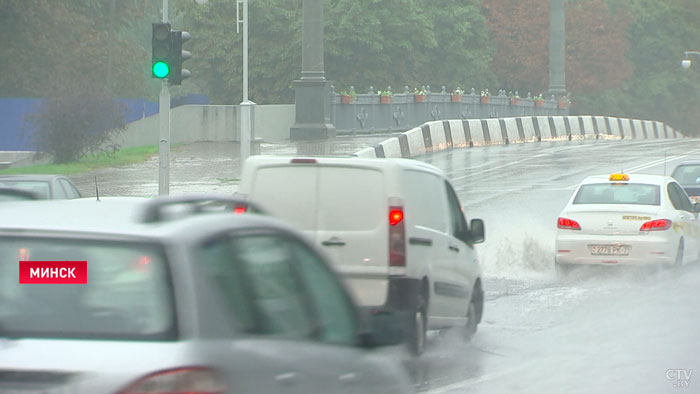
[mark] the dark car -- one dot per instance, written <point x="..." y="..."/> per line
<point x="45" y="187"/>
<point x="688" y="175"/>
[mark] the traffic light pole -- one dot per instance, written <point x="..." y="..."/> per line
<point x="246" y="106"/>
<point x="164" y="141"/>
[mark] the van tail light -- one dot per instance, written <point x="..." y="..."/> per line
<point x="568" y="224"/>
<point x="191" y="380"/>
<point x="240" y="209"/>
<point x="397" y="237"/>
<point x="656" y="225"/>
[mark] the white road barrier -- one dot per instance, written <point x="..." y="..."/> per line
<point x="442" y="135"/>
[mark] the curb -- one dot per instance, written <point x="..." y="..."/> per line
<point x="452" y="134"/>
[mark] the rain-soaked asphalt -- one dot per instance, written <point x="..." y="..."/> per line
<point x="605" y="332"/>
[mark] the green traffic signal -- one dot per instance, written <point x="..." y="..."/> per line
<point x="161" y="69"/>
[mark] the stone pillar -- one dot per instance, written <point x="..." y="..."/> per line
<point x="312" y="95"/>
<point x="557" y="49"/>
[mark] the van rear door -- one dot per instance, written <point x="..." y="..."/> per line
<point x="352" y="226"/>
<point x="289" y="193"/>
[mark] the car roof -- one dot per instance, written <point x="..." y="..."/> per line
<point x="31" y="177"/>
<point x="689" y="162"/>
<point x="120" y="216"/>
<point x="633" y="178"/>
<point x="262" y="160"/>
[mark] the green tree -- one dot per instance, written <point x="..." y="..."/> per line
<point x="658" y="87"/>
<point x="53" y="48"/>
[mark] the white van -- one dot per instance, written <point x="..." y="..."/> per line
<point x="393" y="228"/>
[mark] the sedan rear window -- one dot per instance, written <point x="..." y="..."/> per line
<point x="40" y="188"/>
<point x="618" y="193"/>
<point x="687" y="174"/>
<point x="128" y="294"/>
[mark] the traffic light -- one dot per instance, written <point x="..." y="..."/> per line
<point x="177" y="73"/>
<point x="161" y="50"/>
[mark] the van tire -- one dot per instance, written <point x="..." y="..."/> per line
<point x="475" y="312"/>
<point x="418" y="324"/>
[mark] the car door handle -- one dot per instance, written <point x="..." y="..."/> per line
<point x="420" y="241"/>
<point x="453" y="248"/>
<point x="286" y="378"/>
<point x="348" y="378"/>
<point x="333" y="242"/>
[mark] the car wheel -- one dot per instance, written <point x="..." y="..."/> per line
<point x="679" y="256"/>
<point x="416" y="342"/>
<point x="472" y="321"/>
<point x="563" y="271"/>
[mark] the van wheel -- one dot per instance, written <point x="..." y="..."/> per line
<point x="416" y="342"/>
<point x="472" y="322"/>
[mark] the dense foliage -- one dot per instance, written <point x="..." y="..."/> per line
<point x="69" y="128"/>
<point x="622" y="55"/>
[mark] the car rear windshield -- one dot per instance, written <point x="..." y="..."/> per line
<point x="618" y="193"/>
<point x="40" y="188"/>
<point x="687" y="175"/>
<point x="128" y="294"/>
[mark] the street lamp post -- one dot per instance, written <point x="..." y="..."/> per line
<point x="685" y="63"/>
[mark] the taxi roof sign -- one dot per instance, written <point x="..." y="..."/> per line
<point x="619" y="177"/>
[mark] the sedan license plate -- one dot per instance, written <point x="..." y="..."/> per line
<point x="610" y="250"/>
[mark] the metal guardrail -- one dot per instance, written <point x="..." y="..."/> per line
<point x="366" y="114"/>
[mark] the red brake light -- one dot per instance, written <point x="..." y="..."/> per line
<point x="23" y="254"/>
<point x="656" y="225"/>
<point x="568" y="224"/>
<point x="397" y="237"/>
<point x="240" y="209"/>
<point x="303" y="161"/>
<point x="395" y="216"/>
<point x="179" y="381"/>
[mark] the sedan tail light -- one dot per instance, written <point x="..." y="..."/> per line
<point x="568" y="224"/>
<point x="656" y="225"/>
<point x="191" y="380"/>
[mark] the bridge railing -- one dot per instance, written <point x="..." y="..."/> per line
<point x="369" y="113"/>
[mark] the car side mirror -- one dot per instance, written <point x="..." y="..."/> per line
<point x="696" y="207"/>
<point x="384" y="329"/>
<point x="477" y="231"/>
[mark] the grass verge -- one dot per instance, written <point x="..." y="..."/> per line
<point x="124" y="156"/>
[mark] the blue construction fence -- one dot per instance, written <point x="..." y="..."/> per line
<point x="14" y="110"/>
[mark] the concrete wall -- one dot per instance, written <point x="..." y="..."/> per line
<point x="192" y="123"/>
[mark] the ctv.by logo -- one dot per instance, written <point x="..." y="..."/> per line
<point x="681" y="377"/>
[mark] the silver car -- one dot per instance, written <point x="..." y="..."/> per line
<point x="180" y="299"/>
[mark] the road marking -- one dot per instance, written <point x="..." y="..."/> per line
<point x="472" y="381"/>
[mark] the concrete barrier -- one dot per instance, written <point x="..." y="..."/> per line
<point x="457" y="134"/>
<point x="442" y="135"/>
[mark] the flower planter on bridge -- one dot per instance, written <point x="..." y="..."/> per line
<point x="485" y="99"/>
<point x="539" y="103"/>
<point x="419" y="98"/>
<point x="385" y="99"/>
<point x="345" y="99"/>
<point x="514" y="101"/>
<point x="456" y="98"/>
<point x="563" y="105"/>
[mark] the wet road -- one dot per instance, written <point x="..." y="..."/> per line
<point x="611" y="332"/>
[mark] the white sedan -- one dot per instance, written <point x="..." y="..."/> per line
<point x="624" y="219"/>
